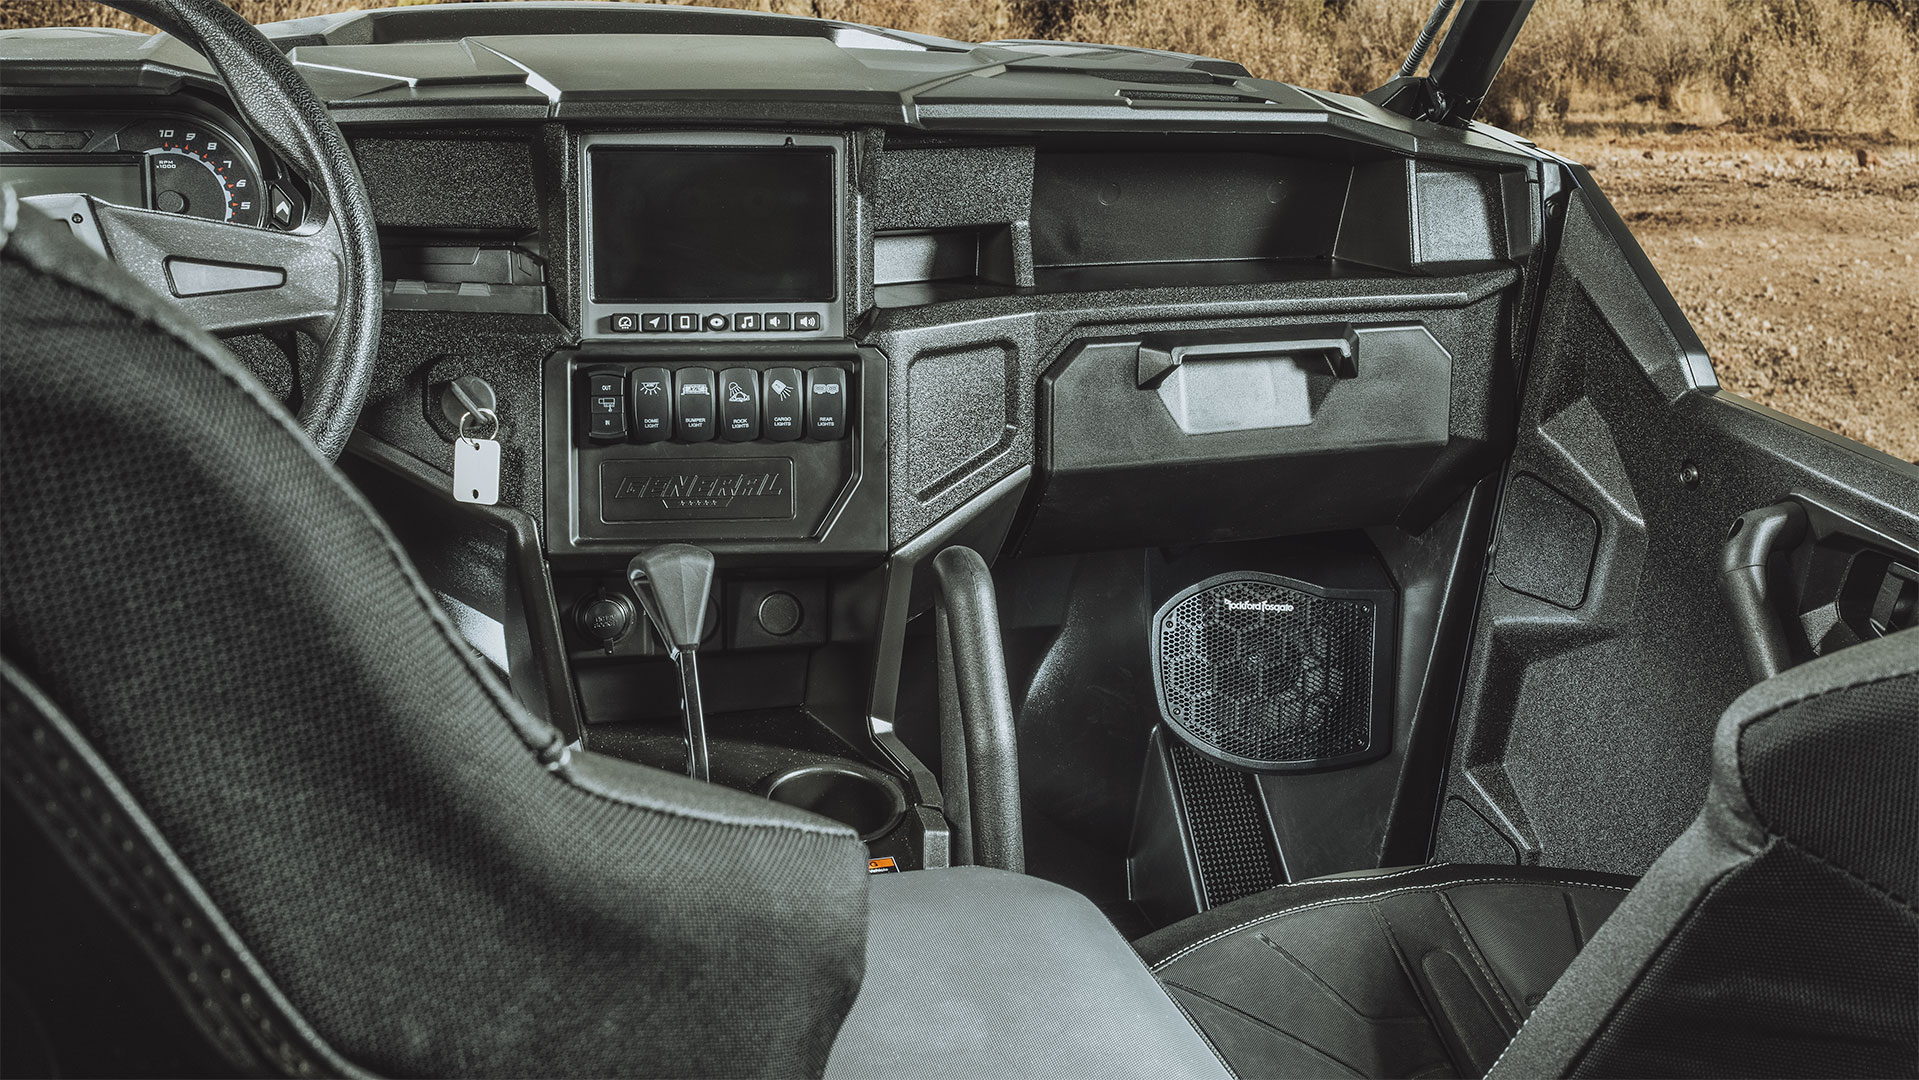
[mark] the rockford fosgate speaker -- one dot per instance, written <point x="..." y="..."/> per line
<point x="1269" y="673"/>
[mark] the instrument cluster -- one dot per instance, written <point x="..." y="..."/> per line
<point x="177" y="163"/>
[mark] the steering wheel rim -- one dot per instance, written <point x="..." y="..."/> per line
<point x="336" y="250"/>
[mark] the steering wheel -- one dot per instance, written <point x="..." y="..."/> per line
<point x="327" y="271"/>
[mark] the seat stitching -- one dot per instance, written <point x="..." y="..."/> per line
<point x="1429" y="867"/>
<point x="1289" y="886"/>
<point x="1814" y="855"/>
<point x="26" y="705"/>
<point x="1485" y="969"/>
<point x="1287" y="1035"/>
<point x="1201" y="1032"/>
<point x="1209" y="939"/>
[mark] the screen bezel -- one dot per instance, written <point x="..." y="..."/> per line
<point x="596" y="315"/>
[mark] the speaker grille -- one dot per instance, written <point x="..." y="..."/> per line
<point x="1262" y="673"/>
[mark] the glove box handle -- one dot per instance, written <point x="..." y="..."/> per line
<point x="1336" y="347"/>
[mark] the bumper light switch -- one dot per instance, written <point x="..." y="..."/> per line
<point x="693" y="404"/>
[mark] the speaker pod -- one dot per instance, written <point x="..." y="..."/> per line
<point x="1274" y="674"/>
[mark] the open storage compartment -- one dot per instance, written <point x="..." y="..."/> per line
<point x="956" y="222"/>
<point x="982" y="254"/>
<point x="1125" y="219"/>
<point x="1107" y="208"/>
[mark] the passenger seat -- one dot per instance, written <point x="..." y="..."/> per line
<point x="1776" y="937"/>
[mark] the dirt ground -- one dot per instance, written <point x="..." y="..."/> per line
<point x="1793" y="260"/>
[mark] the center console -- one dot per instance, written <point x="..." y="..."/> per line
<point x="714" y="399"/>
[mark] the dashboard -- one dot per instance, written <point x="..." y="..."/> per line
<point x="822" y="298"/>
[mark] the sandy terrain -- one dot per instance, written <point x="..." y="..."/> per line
<point x="1794" y="262"/>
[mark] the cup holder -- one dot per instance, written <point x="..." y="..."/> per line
<point x="848" y="794"/>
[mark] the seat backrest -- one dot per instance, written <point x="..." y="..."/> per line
<point x="234" y="707"/>
<point x="1778" y="935"/>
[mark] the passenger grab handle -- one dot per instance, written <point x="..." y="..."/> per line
<point x="1745" y="583"/>
<point x="979" y="755"/>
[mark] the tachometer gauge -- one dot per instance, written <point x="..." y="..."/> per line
<point x="201" y="171"/>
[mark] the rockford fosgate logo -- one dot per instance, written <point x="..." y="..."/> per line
<point x="701" y="490"/>
<point x="1257" y="605"/>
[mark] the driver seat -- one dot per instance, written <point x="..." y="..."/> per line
<point x="236" y="721"/>
<point x="233" y="712"/>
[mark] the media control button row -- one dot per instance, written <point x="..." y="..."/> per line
<point x="715" y="322"/>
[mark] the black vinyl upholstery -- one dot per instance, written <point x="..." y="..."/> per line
<point x="1420" y="972"/>
<point x="288" y="727"/>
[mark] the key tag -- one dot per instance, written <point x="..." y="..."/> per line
<point x="476" y="461"/>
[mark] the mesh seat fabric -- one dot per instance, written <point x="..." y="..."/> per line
<point x="432" y="882"/>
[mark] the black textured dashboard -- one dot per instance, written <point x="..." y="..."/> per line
<point x="1003" y="226"/>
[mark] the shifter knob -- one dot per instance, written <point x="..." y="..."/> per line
<point x="673" y="582"/>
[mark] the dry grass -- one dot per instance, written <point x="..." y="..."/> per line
<point x="1814" y="65"/>
<point x="1817" y="65"/>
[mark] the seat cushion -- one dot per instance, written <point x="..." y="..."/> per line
<point x="1420" y="972"/>
<point x="974" y="972"/>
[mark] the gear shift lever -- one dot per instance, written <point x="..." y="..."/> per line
<point x="673" y="582"/>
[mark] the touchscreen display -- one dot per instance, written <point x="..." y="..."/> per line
<point x="718" y="224"/>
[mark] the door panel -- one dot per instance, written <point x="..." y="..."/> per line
<point x="1603" y="655"/>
